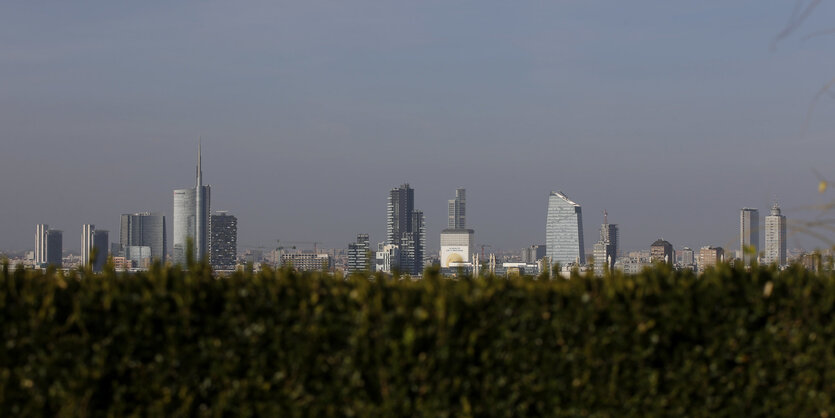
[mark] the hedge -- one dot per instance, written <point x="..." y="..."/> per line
<point x="280" y="343"/>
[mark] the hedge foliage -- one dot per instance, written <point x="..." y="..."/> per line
<point x="279" y="343"/>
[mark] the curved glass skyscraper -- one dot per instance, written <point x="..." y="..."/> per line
<point x="564" y="231"/>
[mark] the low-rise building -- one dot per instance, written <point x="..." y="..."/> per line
<point x="307" y="261"/>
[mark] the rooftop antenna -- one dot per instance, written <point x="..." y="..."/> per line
<point x="605" y="217"/>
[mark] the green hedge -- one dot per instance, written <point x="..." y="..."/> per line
<point x="173" y="343"/>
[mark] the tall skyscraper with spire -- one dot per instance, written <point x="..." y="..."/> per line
<point x="191" y="217"/>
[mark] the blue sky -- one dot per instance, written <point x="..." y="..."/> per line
<point x="670" y="115"/>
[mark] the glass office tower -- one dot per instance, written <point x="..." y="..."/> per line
<point x="749" y="234"/>
<point x="191" y="218"/>
<point x="564" y="231"/>
<point x="144" y="229"/>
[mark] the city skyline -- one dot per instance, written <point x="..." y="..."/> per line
<point x="749" y="225"/>
<point x="99" y="122"/>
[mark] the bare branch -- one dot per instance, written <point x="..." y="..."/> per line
<point x="819" y="33"/>
<point x="825" y="90"/>
<point x="799" y="15"/>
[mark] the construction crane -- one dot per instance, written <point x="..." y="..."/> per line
<point x="279" y="249"/>
<point x="314" y="243"/>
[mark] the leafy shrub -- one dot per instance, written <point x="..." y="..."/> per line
<point x="280" y="343"/>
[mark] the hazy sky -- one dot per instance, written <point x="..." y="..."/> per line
<point x="670" y="115"/>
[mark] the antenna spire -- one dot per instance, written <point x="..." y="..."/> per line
<point x="605" y="217"/>
<point x="200" y="161"/>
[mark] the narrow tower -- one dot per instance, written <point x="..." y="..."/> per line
<point x="775" y="237"/>
<point x="749" y="234"/>
<point x="191" y="216"/>
<point x="201" y="200"/>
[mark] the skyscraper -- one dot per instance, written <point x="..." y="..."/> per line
<point x="49" y="246"/>
<point x="606" y="250"/>
<point x="94" y="243"/>
<point x="775" y="237"/>
<point x="359" y="255"/>
<point x="191" y="217"/>
<point x="405" y="228"/>
<point x="456" y="239"/>
<point x="749" y="234"/>
<point x="224" y="242"/>
<point x="54" y="248"/>
<point x="86" y="243"/>
<point x="101" y="243"/>
<point x="457" y="212"/>
<point x="144" y="229"/>
<point x="40" y="243"/>
<point x="184" y="219"/>
<point x="564" y="231"/>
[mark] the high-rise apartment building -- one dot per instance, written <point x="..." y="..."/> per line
<point x="94" y="246"/>
<point x="224" y="241"/>
<point x="387" y="258"/>
<point x="144" y="229"/>
<point x="457" y="212"/>
<point x="359" y="255"/>
<point x="749" y="234"/>
<point x="775" y="237"/>
<point x="688" y="257"/>
<point x="710" y="256"/>
<point x="191" y="218"/>
<point x="405" y="228"/>
<point x="661" y="251"/>
<point x="564" y="231"/>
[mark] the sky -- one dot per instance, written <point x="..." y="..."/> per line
<point x="669" y="115"/>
